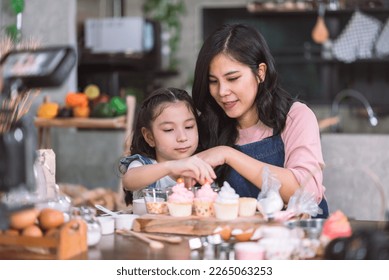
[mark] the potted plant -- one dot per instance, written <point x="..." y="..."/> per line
<point x="168" y="13"/>
<point x="14" y="31"/>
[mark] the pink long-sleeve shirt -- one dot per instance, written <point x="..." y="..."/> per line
<point x="303" y="154"/>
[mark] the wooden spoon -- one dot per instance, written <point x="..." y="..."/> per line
<point x="169" y="239"/>
<point x="320" y="32"/>
<point x="152" y="243"/>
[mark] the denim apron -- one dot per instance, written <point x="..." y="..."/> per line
<point x="271" y="151"/>
<point x="144" y="160"/>
<point x="125" y="162"/>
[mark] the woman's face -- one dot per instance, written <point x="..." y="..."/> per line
<point x="234" y="87"/>
<point x="174" y="133"/>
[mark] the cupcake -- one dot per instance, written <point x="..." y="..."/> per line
<point x="337" y="225"/>
<point x="203" y="202"/>
<point x="180" y="200"/>
<point x="247" y="206"/>
<point x="227" y="203"/>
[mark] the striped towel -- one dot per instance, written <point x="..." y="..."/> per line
<point x="357" y="39"/>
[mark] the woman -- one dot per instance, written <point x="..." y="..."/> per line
<point x="248" y="121"/>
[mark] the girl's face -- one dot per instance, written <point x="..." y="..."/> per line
<point x="234" y="87"/>
<point x="174" y="133"/>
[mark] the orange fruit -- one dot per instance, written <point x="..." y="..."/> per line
<point x="92" y="91"/>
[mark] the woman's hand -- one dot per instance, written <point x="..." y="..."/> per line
<point x="215" y="156"/>
<point x="193" y="167"/>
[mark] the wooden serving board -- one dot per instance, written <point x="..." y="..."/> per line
<point x="192" y="225"/>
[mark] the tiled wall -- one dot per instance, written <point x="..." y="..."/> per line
<point x="357" y="174"/>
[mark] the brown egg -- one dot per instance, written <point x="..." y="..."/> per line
<point x="33" y="231"/>
<point x="224" y="232"/>
<point x="11" y="232"/>
<point x="24" y="218"/>
<point x="53" y="232"/>
<point x="241" y="235"/>
<point x="50" y="218"/>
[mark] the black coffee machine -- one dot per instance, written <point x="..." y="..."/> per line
<point x="23" y="70"/>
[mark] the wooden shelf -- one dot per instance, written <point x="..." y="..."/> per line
<point x="118" y="123"/>
<point x="92" y="123"/>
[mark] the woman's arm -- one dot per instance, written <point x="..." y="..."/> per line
<point x="303" y="157"/>
<point x="193" y="167"/>
<point x="250" y="168"/>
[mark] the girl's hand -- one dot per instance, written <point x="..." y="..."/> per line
<point x="192" y="167"/>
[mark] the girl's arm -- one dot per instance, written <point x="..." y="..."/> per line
<point x="139" y="177"/>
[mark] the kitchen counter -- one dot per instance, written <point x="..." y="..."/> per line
<point x="118" y="247"/>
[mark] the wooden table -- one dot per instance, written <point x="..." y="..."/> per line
<point x="117" y="247"/>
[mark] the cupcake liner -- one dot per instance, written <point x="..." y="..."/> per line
<point x="226" y="211"/>
<point x="203" y="209"/>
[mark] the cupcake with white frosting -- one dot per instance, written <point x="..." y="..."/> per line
<point x="227" y="203"/>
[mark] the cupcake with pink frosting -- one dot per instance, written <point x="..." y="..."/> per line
<point x="227" y="203"/>
<point x="203" y="202"/>
<point x="180" y="200"/>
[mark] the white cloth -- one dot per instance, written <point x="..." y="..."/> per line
<point x="357" y="39"/>
<point x="382" y="44"/>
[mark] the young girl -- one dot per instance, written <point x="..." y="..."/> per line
<point x="165" y="138"/>
<point x="247" y="121"/>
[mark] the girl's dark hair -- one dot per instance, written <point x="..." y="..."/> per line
<point x="246" y="45"/>
<point x="150" y="109"/>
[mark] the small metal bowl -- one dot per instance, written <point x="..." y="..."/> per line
<point x="312" y="227"/>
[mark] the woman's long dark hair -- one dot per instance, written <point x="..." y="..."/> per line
<point x="246" y="45"/>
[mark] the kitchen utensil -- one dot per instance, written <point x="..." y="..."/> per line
<point x="320" y="32"/>
<point x="105" y="210"/>
<point x="125" y="221"/>
<point x="107" y="224"/>
<point x="312" y="227"/>
<point x="139" y="206"/>
<point x="169" y="239"/>
<point x="152" y="243"/>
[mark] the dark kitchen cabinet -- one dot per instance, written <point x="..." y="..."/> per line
<point x="302" y="69"/>
<point x="137" y="74"/>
